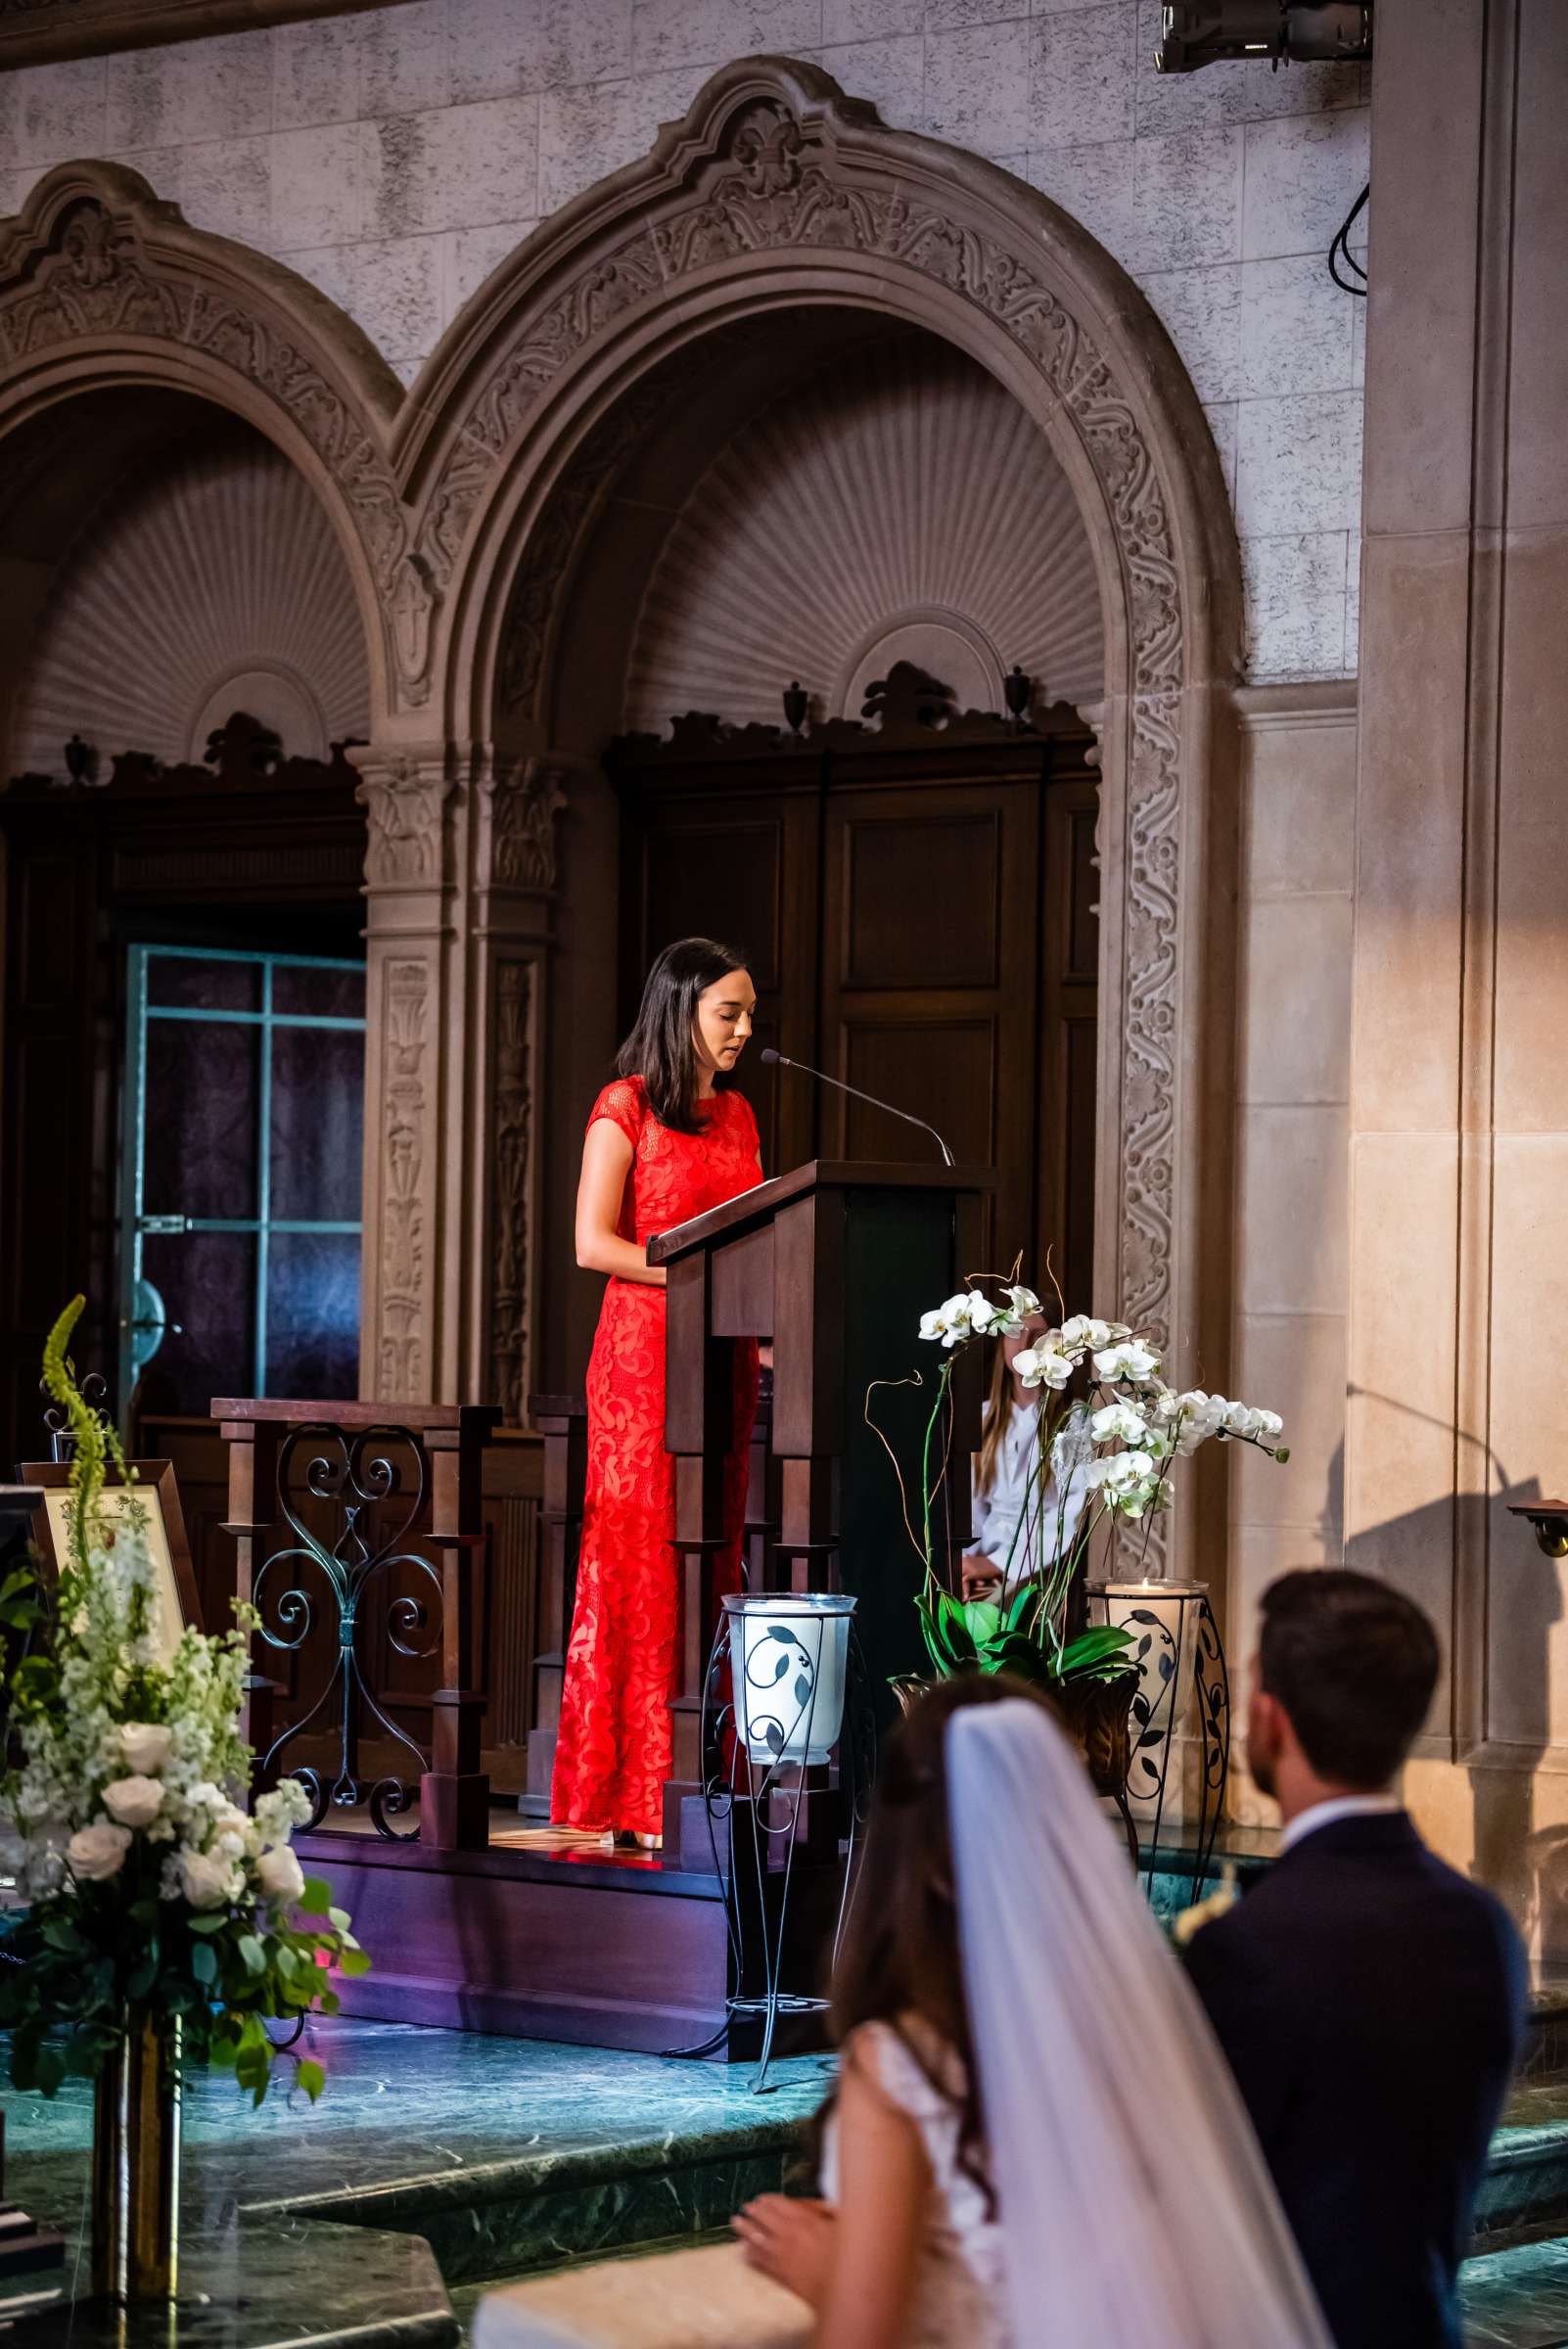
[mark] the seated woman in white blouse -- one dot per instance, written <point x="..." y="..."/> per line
<point x="1003" y="1483"/>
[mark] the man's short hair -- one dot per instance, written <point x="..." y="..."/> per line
<point x="1353" y="1663"/>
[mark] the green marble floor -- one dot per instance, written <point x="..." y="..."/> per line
<point x="434" y="2159"/>
<point x="438" y="2162"/>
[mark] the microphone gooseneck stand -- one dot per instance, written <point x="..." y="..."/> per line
<point x="782" y="1060"/>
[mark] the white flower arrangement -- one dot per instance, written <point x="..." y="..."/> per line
<point x="149" y="1885"/>
<point x="1119" y="1435"/>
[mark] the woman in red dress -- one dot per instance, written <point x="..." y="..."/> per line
<point x="665" y="1142"/>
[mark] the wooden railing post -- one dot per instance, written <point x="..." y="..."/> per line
<point x="563" y="1421"/>
<point x="455" y="1793"/>
<point x="252" y="1451"/>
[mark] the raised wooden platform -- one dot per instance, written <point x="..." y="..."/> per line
<point x="545" y="1935"/>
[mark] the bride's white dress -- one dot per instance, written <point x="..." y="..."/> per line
<point x="961" y="2289"/>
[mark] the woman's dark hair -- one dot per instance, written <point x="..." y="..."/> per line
<point x="1353" y="1663"/>
<point x="661" y="1048"/>
<point x="899" y="1958"/>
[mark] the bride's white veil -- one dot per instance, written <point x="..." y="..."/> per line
<point x="1135" y="2206"/>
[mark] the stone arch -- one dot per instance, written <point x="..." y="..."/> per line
<point x="103" y="286"/>
<point x="777" y="190"/>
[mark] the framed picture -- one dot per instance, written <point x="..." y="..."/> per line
<point x="159" y="1494"/>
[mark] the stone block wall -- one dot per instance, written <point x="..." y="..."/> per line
<point x="394" y="158"/>
<point x="1295" y="930"/>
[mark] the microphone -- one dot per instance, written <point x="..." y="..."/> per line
<point x="779" y="1060"/>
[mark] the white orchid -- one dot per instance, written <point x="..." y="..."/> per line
<point x="1131" y="1361"/>
<point x="1043" y="1365"/>
<point x="951" y="1322"/>
<point x="1117" y="1423"/>
<point x="1082" y="1333"/>
<point x="1024" y="1301"/>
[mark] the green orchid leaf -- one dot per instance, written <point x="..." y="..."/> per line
<point x="982" y="1619"/>
<point x="1106" y="1642"/>
<point x="1019" y="1606"/>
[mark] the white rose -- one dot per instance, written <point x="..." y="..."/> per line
<point x="279" y="1873"/>
<point x="145" y="1745"/>
<point x="204" y="1877"/>
<point x="134" y="1802"/>
<point x="97" y="1852"/>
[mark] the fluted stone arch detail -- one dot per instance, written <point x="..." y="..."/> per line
<point x="102" y="282"/>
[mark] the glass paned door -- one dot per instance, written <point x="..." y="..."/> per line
<point x="240" y="1208"/>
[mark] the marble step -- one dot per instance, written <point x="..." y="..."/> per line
<point x="1516" y="2299"/>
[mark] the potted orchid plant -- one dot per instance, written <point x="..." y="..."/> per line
<point x="1109" y="1422"/>
<point x="165" y="1922"/>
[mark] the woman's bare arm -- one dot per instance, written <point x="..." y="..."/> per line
<point x="855" y="2261"/>
<point x="884" y="2184"/>
<point x="606" y="1164"/>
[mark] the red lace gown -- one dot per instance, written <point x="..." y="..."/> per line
<point x="613" y="1753"/>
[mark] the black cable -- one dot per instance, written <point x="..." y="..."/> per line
<point x="1340" y="248"/>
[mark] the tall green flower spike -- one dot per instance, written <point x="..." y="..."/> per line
<point x="95" y="1442"/>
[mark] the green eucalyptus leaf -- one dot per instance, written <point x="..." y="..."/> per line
<point x="203" y="1961"/>
<point x="252" y="1955"/>
<point x="208" y="1920"/>
<point x="316" y="1898"/>
<point x="49" y="2070"/>
<point x="339" y="1919"/>
<point x="310" y="2077"/>
<point x="353" y="1961"/>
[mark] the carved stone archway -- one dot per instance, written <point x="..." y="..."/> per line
<point x="777" y="192"/>
<point x="104" y="283"/>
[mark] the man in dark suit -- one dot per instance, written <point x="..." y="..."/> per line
<point x="1370" y="2001"/>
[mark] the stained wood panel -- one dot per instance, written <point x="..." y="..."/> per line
<point x="931" y="901"/>
<point x="740" y="867"/>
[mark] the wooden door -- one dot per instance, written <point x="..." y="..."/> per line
<point x="930" y="974"/>
<point x="738" y="865"/>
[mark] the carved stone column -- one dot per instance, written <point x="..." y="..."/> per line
<point x="411" y="1070"/>
<point x="512" y="890"/>
<point x="460" y="874"/>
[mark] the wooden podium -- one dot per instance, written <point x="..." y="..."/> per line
<point x="834" y="1264"/>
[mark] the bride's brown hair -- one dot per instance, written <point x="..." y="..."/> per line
<point x="899" y="1962"/>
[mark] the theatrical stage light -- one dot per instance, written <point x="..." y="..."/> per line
<point x="1208" y="33"/>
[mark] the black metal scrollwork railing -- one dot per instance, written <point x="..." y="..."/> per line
<point x="360" y="1475"/>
